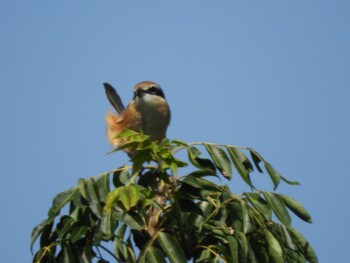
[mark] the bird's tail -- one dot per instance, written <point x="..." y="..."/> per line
<point x="114" y="98"/>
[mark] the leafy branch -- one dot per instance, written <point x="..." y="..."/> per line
<point x="152" y="211"/>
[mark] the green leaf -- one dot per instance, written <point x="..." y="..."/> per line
<point x="178" y="142"/>
<point x="108" y="224"/>
<point x="47" y="236"/>
<point x="133" y="220"/>
<point x="200" y="163"/>
<point x="38" y="230"/>
<point x="121" y="176"/>
<point x="77" y="232"/>
<point x="294" y="256"/>
<point x="278" y="207"/>
<point x="61" y="200"/>
<point x="256" y="157"/>
<point x="259" y="204"/>
<point x="251" y="255"/>
<point x="275" y="176"/>
<point x="102" y="184"/>
<point x="247" y="225"/>
<point x="201" y="183"/>
<point x="120" y="248"/>
<point x="244" y="244"/>
<point x="203" y="173"/>
<point x="286" y="237"/>
<point x="81" y="187"/>
<point x="241" y="163"/>
<point x="86" y="254"/>
<point x="129" y="195"/>
<point x="234" y="251"/>
<point x="297" y="208"/>
<point x="290" y="182"/>
<point x="111" y="199"/>
<point x="154" y="254"/>
<point x="221" y="160"/>
<point x="93" y="197"/>
<point x="68" y="256"/>
<point x="304" y="245"/>
<point x="171" y="248"/>
<point x="204" y="256"/>
<point x="274" y="247"/>
<point x="64" y="226"/>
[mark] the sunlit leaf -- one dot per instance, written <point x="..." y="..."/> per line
<point x="129" y="195"/>
<point x="295" y="256"/>
<point x="103" y="186"/>
<point x="244" y="244"/>
<point x="81" y="187"/>
<point x="297" y="208"/>
<point x="111" y="199"/>
<point x="179" y="142"/>
<point x="205" y="256"/>
<point x="304" y="245"/>
<point x="233" y="246"/>
<point x="154" y="254"/>
<point x="286" y="237"/>
<point x="221" y="160"/>
<point x="247" y="225"/>
<point x="289" y="182"/>
<point x="278" y="207"/>
<point x="256" y="158"/>
<point x="61" y="200"/>
<point x="108" y="224"/>
<point x="275" y="249"/>
<point x="275" y="176"/>
<point x="260" y="204"/>
<point x="241" y="163"/>
<point x="93" y="197"/>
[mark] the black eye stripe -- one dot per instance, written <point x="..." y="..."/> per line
<point x="155" y="91"/>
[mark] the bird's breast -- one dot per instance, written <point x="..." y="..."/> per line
<point x="155" y="116"/>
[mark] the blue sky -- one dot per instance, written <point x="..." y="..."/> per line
<point x="273" y="75"/>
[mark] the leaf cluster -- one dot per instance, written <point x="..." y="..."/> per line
<point x="151" y="212"/>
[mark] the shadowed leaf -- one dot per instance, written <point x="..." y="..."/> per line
<point x="221" y="160"/>
<point x="171" y="247"/>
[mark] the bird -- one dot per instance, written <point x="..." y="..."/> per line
<point x="148" y="112"/>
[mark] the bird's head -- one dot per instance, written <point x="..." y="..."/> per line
<point x="148" y="92"/>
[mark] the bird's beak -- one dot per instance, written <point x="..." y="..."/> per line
<point x="138" y="93"/>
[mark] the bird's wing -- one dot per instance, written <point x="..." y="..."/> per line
<point x="114" y="98"/>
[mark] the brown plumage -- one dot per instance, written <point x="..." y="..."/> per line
<point x="148" y="112"/>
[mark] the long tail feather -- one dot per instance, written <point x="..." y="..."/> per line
<point x="114" y="98"/>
